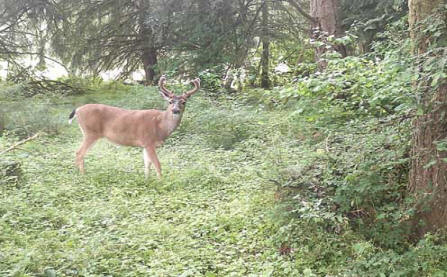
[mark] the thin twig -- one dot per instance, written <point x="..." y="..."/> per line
<point x="20" y="143"/>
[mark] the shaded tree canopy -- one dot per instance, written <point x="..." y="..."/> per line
<point x="185" y="37"/>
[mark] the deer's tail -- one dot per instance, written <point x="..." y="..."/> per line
<point x="72" y="116"/>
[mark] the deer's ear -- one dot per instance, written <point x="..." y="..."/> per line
<point x="164" y="95"/>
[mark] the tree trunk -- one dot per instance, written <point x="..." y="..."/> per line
<point x="265" y="81"/>
<point x="148" y="49"/>
<point x="428" y="172"/>
<point x="327" y="22"/>
<point x="149" y="62"/>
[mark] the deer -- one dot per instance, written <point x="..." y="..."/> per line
<point x="147" y="129"/>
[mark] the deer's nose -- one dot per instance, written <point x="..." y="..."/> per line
<point x="175" y="111"/>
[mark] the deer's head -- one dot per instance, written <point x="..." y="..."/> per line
<point x="176" y="103"/>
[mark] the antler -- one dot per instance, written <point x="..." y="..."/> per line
<point x="196" y="83"/>
<point x="161" y="84"/>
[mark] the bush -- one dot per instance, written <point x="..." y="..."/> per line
<point x="427" y="258"/>
<point x="354" y="154"/>
<point x="210" y="81"/>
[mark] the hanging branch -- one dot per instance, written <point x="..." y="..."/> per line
<point x="301" y="11"/>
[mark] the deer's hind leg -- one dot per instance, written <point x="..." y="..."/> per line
<point x="87" y="143"/>
<point x="147" y="163"/>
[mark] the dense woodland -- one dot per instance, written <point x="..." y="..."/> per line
<point x="316" y="145"/>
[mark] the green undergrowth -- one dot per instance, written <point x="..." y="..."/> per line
<point x="248" y="189"/>
<point x="210" y="215"/>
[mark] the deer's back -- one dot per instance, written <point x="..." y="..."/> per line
<point x="121" y="126"/>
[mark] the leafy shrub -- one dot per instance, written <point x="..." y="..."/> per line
<point x="210" y="81"/>
<point x="377" y="84"/>
<point x="354" y="173"/>
<point x="354" y="156"/>
<point x="427" y="258"/>
<point x="358" y="84"/>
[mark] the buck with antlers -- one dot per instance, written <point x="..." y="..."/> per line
<point x="142" y="128"/>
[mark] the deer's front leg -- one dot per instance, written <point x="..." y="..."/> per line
<point x="150" y="150"/>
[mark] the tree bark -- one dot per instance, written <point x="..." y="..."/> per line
<point x="149" y="63"/>
<point x="428" y="172"/>
<point x="148" y="50"/>
<point x="265" y="80"/>
<point x="327" y="22"/>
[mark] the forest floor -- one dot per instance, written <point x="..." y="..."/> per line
<point x="212" y="213"/>
<point x="249" y="188"/>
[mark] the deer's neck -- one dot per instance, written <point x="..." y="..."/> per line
<point x="169" y="122"/>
